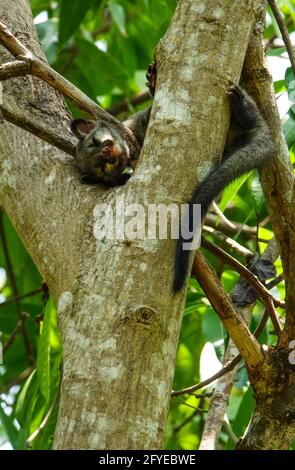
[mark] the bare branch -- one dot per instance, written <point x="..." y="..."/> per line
<point x="187" y="420"/>
<point x="17" y="68"/>
<point x="127" y="103"/>
<point x="226" y="368"/>
<point x="263" y="292"/>
<point x="273" y="315"/>
<point x="277" y="178"/>
<point x="275" y="281"/>
<point x="219" y="402"/>
<point x="42" y="70"/>
<point x="19" y="327"/>
<point x="21" y="297"/>
<point x="244" y="272"/>
<point x="230" y="227"/>
<point x="36" y="128"/>
<point x="232" y="320"/>
<point x="230" y="242"/>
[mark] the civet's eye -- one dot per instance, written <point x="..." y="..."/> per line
<point x="95" y="142"/>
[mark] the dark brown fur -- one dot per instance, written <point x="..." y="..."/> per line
<point x="249" y="145"/>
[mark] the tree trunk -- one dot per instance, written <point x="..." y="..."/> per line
<point x="272" y="425"/>
<point x="119" y="320"/>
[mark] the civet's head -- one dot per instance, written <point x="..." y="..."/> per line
<point x="101" y="153"/>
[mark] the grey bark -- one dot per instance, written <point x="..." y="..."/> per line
<point x="119" y="320"/>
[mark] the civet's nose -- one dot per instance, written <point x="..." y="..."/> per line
<point x="107" y="147"/>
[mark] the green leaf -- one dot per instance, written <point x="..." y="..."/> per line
<point x="280" y="86"/>
<point x="276" y="52"/>
<point x="72" y="14"/>
<point x="230" y="192"/>
<point x="26" y="397"/>
<point x="292" y="154"/>
<point x="45" y="437"/>
<point x="212" y="327"/>
<point x="118" y="15"/>
<point x="290" y="82"/>
<point x="27" y="276"/>
<point x="186" y="370"/>
<point x="289" y="128"/>
<point x="9" y="428"/>
<point x="40" y="5"/>
<point x="244" y="414"/>
<point x="43" y="359"/>
<point x="290" y="6"/>
<point x="241" y="378"/>
<point x="192" y="302"/>
<point x="99" y="68"/>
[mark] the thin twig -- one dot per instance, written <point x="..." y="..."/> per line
<point x="21" y="297"/>
<point x="106" y="24"/>
<point x="244" y="272"/>
<point x="187" y="420"/>
<point x="270" y="40"/>
<point x="19" y="379"/>
<point x="126" y="103"/>
<point x="220" y="214"/>
<point x="275" y="281"/>
<point x="284" y="32"/>
<point x="19" y="326"/>
<point x="203" y="395"/>
<point x="103" y="29"/>
<point x="230" y="317"/>
<point x="234" y="227"/>
<point x="265" y="221"/>
<point x="230" y="242"/>
<point x="227" y="367"/>
<point x="273" y="315"/>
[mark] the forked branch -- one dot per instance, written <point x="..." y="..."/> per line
<point x="27" y="63"/>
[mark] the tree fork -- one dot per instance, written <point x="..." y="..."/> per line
<point x="120" y="338"/>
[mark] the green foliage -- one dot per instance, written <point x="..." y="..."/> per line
<point x="30" y="374"/>
<point x="71" y="16"/>
<point x="104" y="48"/>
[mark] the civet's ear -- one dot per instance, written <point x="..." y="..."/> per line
<point x="81" y="127"/>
